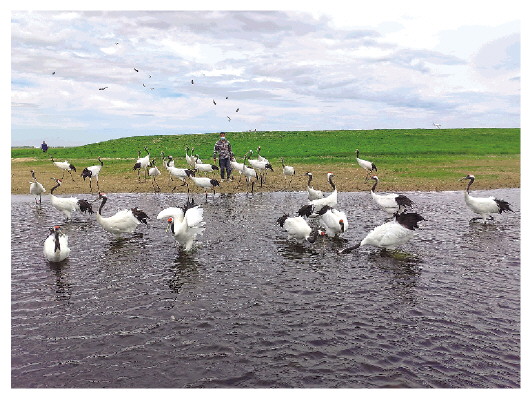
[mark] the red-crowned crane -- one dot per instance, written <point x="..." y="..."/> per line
<point x="206" y="183"/>
<point x="65" y="166"/>
<point x="185" y="223"/>
<point x="36" y="188"/>
<point x="390" y="235"/>
<point x="260" y="167"/>
<point x="390" y="203"/>
<point x="312" y="194"/>
<point x="366" y="165"/>
<point x="56" y="245"/>
<point x="250" y="174"/>
<point x="123" y="221"/>
<point x="333" y="221"/>
<point x="483" y="206"/>
<point x="316" y="205"/>
<point x="154" y="172"/>
<point x="298" y="228"/>
<point x="92" y="171"/>
<point x="288" y="171"/>
<point x="142" y="163"/>
<point x="68" y="205"/>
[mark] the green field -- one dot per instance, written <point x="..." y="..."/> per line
<point x="308" y="146"/>
<point x="404" y="150"/>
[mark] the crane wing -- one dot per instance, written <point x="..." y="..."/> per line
<point x="194" y="217"/>
<point x="176" y="213"/>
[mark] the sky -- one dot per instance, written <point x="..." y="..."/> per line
<point x="289" y="66"/>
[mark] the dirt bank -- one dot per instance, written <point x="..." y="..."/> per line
<point x="490" y="173"/>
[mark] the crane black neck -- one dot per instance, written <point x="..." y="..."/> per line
<point x="331" y="182"/>
<point x="471" y="181"/>
<point x="54" y="187"/>
<point x="103" y="201"/>
<point x="375" y="185"/>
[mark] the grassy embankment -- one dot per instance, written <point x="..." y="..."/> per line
<point x="407" y="159"/>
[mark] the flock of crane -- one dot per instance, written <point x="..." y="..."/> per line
<point x="319" y="217"/>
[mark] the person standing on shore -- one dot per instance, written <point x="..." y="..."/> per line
<point x="223" y="150"/>
<point x="44" y="146"/>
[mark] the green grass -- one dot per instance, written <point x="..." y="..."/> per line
<point x="402" y="150"/>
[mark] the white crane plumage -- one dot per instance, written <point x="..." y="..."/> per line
<point x="181" y="174"/>
<point x="68" y="205"/>
<point x="366" y="165"/>
<point x="191" y="160"/>
<point x="316" y="205"/>
<point x="250" y="174"/>
<point x="65" y="166"/>
<point x="142" y="163"/>
<point x="92" y="171"/>
<point x="185" y="223"/>
<point x="205" y="167"/>
<point x="154" y="172"/>
<point x="36" y="188"/>
<point x="390" y="203"/>
<point x="260" y="166"/>
<point x="312" y="194"/>
<point x="206" y="183"/>
<point x="169" y="163"/>
<point x="390" y="235"/>
<point x="123" y="221"/>
<point x="298" y="228"/>
<point x="333" y="221"/>
<point x="260" y="158"/>
<point x="237" y="166"/>
<point x="483" y="206"/>
<point x="56" y="245"/>
<point x="288" y="171"/>
<point x="437" y="125"/>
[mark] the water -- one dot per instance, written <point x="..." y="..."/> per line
<point x="247" y="308"/>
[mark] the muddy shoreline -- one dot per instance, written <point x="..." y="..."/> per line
<point x="348" y="178"/>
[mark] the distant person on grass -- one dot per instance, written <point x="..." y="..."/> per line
<point x="223" y="149"/>
<point x="44" y="146"/>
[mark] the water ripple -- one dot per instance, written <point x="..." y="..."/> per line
<point x="247" y="308"/>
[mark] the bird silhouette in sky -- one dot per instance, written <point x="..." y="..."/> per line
<point x="237" y="110"/>
<point x="192" y="81"/>
<point x="103" y="88"/>
<point x="229" y="119"/>
<point x="214" y="103"/>
<point x="135" y="69"/>
<point x="53" y="73"/>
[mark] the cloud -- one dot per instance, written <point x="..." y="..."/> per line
<point x="281" y="67"/>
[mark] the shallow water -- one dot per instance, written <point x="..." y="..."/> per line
<point x="247" y="308"/>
